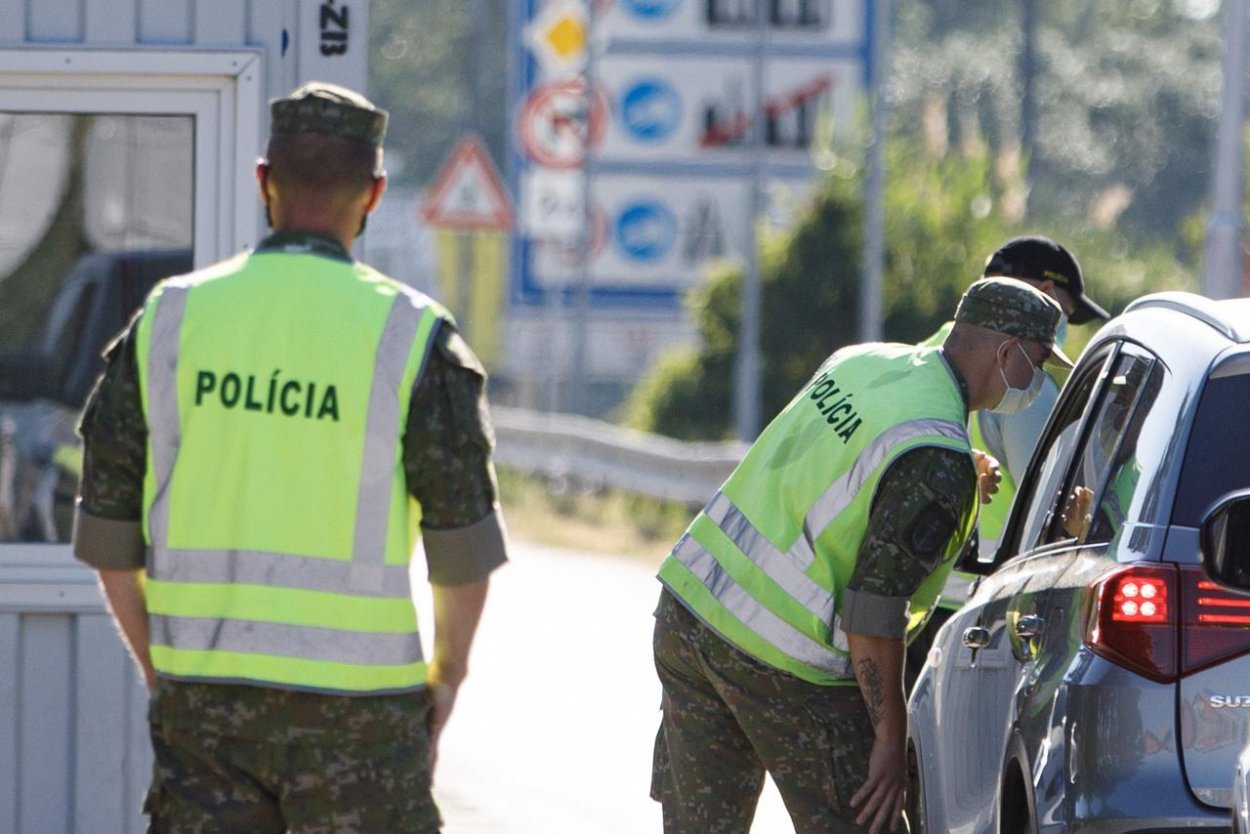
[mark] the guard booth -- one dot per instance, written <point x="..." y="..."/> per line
<point x="129" y="130"/>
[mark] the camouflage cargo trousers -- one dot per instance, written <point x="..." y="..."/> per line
<point x="234" y="759"/>
<point x="727" y="718"/>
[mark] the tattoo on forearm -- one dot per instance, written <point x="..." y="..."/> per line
<point x="872" y="685"/>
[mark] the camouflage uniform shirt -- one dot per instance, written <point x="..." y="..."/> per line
<point x="921" y="501"/>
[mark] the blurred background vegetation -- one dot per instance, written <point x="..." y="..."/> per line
<point x="1089" y="121"/>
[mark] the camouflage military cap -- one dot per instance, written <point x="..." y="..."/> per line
<point x="1010" y="306"/>
<point x="318" y="107"/>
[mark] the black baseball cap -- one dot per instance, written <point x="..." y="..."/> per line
<point x="1041" y="259"/>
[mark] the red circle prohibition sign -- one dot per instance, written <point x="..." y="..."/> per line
<point x="554" y="127"/>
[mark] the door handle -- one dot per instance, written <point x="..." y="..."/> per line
<point x="1029" y="626"/>
<point x="976" y="637"/>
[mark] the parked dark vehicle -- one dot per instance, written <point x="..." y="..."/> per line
<point x="43" y="388"/>
<point x="1097" y="680"/>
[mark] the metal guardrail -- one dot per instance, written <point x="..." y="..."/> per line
<point x="592" y="453"/>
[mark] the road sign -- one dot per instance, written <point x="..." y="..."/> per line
<point x="650" y="109"/>
<point x="554" y="126"/>
<point x="698" y="108"/>
<point x="791" y="23"/>
<point x="468" y="192"/>
<point x="557" y="37"/>
<point x="646" y="231"/>
<point x="553" y="204"/>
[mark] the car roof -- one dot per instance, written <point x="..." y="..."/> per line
<point x="1229" y="317"/>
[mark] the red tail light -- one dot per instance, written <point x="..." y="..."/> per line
<point x="1132" y="621"/>
<point x="1217" y="622"/>
<point x="1165" y="621"/>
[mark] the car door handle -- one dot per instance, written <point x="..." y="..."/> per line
<point x="976" y="637"/>
<point x="1029" y="626"/>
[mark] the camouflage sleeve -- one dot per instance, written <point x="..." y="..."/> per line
<point x="920" y="502"/>
<point x="447" y="461"/>
<point x="114" y="437"/>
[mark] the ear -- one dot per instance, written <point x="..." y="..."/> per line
<point x="376" y="191"/>
<point x="1005" y="348"/>
<point x="262" y="180"/>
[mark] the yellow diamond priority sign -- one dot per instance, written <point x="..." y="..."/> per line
<point x="558" y="37"/>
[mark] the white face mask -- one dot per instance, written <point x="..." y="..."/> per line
<point x="1018" y="399"/>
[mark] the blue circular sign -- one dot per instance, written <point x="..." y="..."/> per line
<point x="652" y="9"/>
<point x="646" y="231"/>
<point x="650" y="110"/>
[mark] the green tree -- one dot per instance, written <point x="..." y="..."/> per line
<point x="944" y="216"/>
<point x="1126" y="93"/>
<point x="809" y="280"/>
<point x="428" y="65"/>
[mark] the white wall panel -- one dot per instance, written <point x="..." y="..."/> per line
<point x="220" y="23"/>
<point x="100" y="682"/>
<point x="12" y="24"/>
<point x="44" y="697"/>
<point x="54" y="21"/>
<point x="8" y="720"/>
<point x="163" y="23"/>
<point x="111" y="24"/>
<point x="74" y="751"/>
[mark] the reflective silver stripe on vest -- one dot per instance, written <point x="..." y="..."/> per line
<point x="842" y="492"/>
<point x="779" y="566"/>
<point x="303" y="642"/>
<point x="781" y="635"/>
<point x="382" y="446"/>
<point x="275" y="570"/>
<point x="791" y="570"/>
<point x="165" y="427"/>
<point x="788" y="569"/>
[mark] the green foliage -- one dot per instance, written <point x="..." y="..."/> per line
<point x="428" y="63"/>
<point x="809" y="307"/>
<point x="1125" y="95"/>
<point x="944" y="216"/>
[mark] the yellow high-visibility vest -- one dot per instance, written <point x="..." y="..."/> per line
<point x="767" y="561"/>
<point x="276" y="388"/>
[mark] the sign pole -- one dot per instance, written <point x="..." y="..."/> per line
<point x="1221" y="275"/>
<point x="467" y="275"/>
<point x="747" y="368"/>
<point x="870" y="302"/>
<point x="579" y="399"/>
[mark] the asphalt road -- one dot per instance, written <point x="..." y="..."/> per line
<point x="553" y="729"/>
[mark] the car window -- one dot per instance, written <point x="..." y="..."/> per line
<point x="1106" y="478"/>
<point x="1216" y="458"/>
<point x="1042" y="485"/>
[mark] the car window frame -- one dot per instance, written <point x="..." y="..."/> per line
<point x="1097" y="363"/>
<point x="1151" y="378"/>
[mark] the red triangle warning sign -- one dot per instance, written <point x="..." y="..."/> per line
<point x="468" y="192"/>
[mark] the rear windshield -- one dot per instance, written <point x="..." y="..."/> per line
<point x="1218" y="458"/>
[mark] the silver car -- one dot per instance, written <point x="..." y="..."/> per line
<point x="1097" y="680"/>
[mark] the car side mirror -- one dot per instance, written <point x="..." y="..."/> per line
<point x="969" y="559"/>
<point x="1225" y="541"/>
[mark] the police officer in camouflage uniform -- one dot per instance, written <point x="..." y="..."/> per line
<point x="250" y="453"/>
<point x="780" y="630"/>
<point x="1008" y="438"/>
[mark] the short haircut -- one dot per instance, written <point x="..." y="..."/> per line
<point x="322" y="162"/>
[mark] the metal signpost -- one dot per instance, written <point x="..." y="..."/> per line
<point x="1222" y="269"/>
